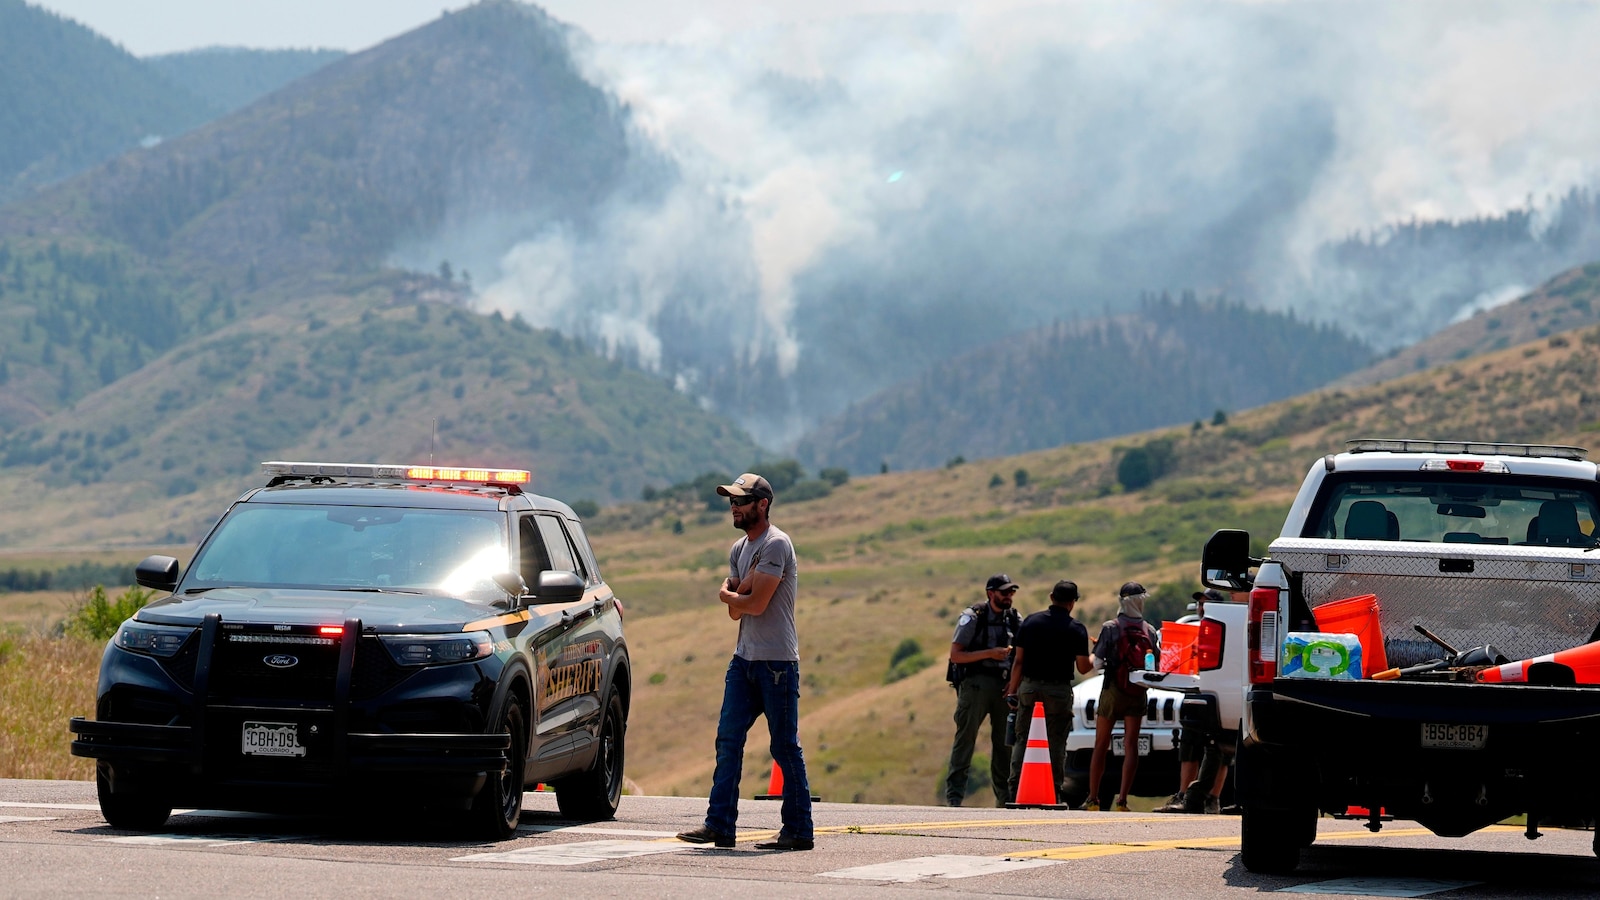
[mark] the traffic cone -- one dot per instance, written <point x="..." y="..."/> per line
<point x="775" y="786"/>
<point x="1580" y="665"/>
<point x="1037" y="787"/>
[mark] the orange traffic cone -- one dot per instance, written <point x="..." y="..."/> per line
<point x="1037" y="788"/>
<point x="1580" y="665"/>
<point x="775" y="786"/>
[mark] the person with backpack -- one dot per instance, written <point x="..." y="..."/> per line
<point x="1124" y="645"/>
<point x="980" y="664"/>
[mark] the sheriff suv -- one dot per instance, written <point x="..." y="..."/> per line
<point x="422" y="638"/>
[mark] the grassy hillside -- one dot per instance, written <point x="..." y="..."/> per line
<point x="1569" y="300"/>
<point x="361" y="377"/>
<point x="230" y="78"/>
<point x="890" y="557"/>
<point x="69" y="99"/>
<point x="1171" y="362"/>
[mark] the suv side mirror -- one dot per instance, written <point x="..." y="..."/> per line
<point x="558" y="587"/>
<point x="512" y="583"/>
<point x="1225" y="563"/>
<point x="157" y="572"/>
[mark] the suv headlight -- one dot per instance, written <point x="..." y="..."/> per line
<point x="152" y="640"/>
<point x="437" y="649"/>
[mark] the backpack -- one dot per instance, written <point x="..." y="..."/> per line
<point x="1132" y="644"/>
<point x="954" y="673"/>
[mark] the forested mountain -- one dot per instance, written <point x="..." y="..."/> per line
<point x="176" y="315"/>
<point x="230" y="78"/>
<point x="1172" y="362"/>
<point x="69" y="99"/>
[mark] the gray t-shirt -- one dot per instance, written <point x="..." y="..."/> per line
<point x="771" y="635"/>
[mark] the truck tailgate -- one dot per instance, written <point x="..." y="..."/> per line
<point x="1526" y="601"/>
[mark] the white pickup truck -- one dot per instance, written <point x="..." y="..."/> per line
<point x="1479" y="557"/>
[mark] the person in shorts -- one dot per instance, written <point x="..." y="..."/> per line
<point x="1118" y="702"/>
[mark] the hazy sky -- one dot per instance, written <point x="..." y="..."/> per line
<point x="164" y="26"/>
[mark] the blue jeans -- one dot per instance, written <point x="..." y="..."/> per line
<point x="754" y="688"/>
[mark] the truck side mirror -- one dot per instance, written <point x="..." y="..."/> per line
<point x="157" y="572"/>
<point x="558" y="587"/>
<point x="1225" y="563"/>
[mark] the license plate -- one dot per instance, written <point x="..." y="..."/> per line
<point x="1438" y="736"/>
<point x="1117" y="749"/>
<point x="272" y="739"/>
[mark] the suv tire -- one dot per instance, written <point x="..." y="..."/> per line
<point x="129" y="811"/>
<point x="497" y="811"/>
<point x="593" y="795"/>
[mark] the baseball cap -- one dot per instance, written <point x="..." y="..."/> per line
<point x="747" y="485"/>
<point x="1209" y="595"/>
<point x="1130" y="588"/>
<point x="999" y="583"/>
<point x="1064" y="591"/>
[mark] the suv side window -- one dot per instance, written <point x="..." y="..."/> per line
<point x="585" y="553"/>
<point x="555" y="542"/>
<point x="531" y="551"/>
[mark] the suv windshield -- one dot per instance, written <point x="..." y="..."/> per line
<point x="1450" y="509"/>
<point x="449" y="551"/>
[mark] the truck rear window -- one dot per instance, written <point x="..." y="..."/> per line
<point x="1452" y="508"/>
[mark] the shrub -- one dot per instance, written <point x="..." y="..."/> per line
<point x="995" y="480"/>
<point x="98" y="618"/>
<point x="835" y="476"/>
<point x="807" y="490"/>
<point x="1020" y="477"/>
<point x="586" y="509"/>
<point x="957" y="460"/>
<point x="906" y="660"/>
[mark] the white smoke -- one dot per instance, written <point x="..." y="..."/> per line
<point x="857" y="196"/>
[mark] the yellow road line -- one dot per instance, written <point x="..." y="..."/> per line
<point x="1090" y="851"/>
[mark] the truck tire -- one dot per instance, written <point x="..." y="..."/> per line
<point x="1270" y="839"/>
<point x="593" y="795"/>
<point x="129" y="811"/>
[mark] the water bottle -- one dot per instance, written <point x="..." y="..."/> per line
<point x="1149" y="661"/>
<point x="1011" y="722"/>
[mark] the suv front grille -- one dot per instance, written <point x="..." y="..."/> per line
<point x="291" y="667"/>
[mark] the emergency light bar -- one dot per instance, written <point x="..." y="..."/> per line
<point x="279" y="470"/>
<point x="1465" y="448"/>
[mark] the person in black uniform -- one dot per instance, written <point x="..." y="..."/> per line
<point x="1050" y="646"/>
<point x="980" y="663"/>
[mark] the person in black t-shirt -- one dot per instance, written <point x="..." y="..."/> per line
<point x="1049" y="647"/>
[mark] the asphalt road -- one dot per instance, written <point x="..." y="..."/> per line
<point x="54" y="843"/>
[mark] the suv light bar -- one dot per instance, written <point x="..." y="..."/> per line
<point x="280" y="471"/>
<point x="1465" y="448"/>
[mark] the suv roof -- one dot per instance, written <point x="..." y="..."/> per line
<point x="376" y="484"/>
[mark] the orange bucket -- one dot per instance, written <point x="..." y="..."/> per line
<point x="1178" y="646"/>
<point x="1357" y="616"/>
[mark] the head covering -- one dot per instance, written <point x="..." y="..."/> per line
<point x="1064" y="592"/>
<point x="747" y="485"/>
<point x="1001" y="582"/>
<point x="1209" y="595"/>
<point x="1130" y="600"/>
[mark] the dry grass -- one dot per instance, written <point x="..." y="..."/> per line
<point x="44" y="681"/>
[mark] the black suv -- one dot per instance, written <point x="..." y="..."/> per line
<point x="410" y="636"/>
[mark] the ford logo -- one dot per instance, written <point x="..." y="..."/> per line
<point x="281" y="661"/>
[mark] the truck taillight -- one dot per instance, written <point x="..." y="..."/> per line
<point x="1262" y="635"/>
<point x="1208" y="648"/>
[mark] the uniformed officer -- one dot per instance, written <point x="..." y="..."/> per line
<point x="980" y="663"/>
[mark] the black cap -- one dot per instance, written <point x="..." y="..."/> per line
<point x="1209" y="595"/>
<point x="999" y="583"/>
<point x="1064" y="592"/>
<point x="1130" y="588"/>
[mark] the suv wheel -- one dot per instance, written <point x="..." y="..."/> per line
<point x="498" y="808"/>
<point x="1270" y="839"/>
<point x="129" y="811"/>
<point x="593" y="795"/>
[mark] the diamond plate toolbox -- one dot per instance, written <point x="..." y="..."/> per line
<point x="1526" y="601"/>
